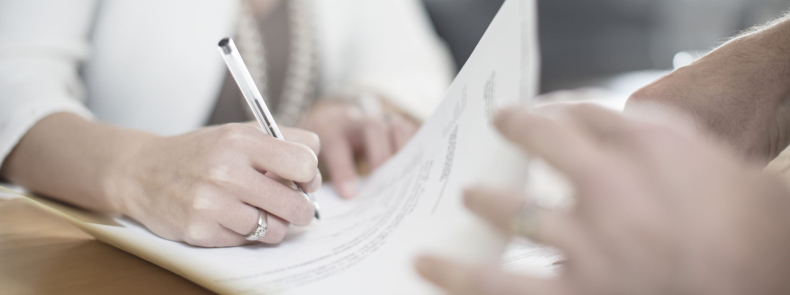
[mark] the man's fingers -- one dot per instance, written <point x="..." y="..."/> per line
<point x="339" y="159"/>
<point x="561" y="144"/>
<point x="503" y="208"/>
<point x="497" y="206"/>
<point x="376" y="141"/>
<point x="602" y="124"/>
<point x="462" y="279"/>
<point x="643" y="129"/>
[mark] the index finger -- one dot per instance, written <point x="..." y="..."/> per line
<point x="377" y="141"/>
<point x="304" y="137"/>
<point x="339" y="160"/>
<point x="459" y="278"/>
<point x="561" y="144"/>
<point x="551" y="227"/>
<point x="297" y="135"/>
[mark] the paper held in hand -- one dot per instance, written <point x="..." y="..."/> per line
<point x="410" y="206"/>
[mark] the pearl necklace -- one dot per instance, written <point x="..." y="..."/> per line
<point x="300" y="79"/>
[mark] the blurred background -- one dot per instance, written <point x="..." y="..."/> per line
<point x="609" y="43"/>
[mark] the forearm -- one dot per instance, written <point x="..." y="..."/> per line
<point x="72" y="159"/>
<point x="739" y="92"/>
<point x="767" y="45"/>
<point x="777" y="28"/>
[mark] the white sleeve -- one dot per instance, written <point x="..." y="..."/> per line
<point x="43" y="44"/>
<point x="391" y="50"/>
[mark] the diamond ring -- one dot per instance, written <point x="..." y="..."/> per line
<point x="261" y="228"/>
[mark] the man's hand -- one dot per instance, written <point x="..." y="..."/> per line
<point x="346" y="131"/>
<point x="740" y="92"/>
<point x="658" y="210"/>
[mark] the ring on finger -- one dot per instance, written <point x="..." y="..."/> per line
<point x="261" y="228"/>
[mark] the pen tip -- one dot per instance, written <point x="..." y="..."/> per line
<point x="224" y="42"/>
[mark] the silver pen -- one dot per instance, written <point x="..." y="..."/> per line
<point x="250" y="91"/>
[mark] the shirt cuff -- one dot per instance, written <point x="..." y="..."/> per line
<point x="19" y="121"/>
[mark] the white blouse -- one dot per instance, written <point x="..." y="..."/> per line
<point x="152" y="64"/>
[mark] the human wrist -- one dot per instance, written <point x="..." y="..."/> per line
<point x="117" y="180"/>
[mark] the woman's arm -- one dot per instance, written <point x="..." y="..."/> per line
<point x="203" y="188"/>
<point x="70" y="158"/>
<point x="44" y="44"/>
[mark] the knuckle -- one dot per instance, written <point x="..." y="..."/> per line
<point x="228" y="139"/>
<point x="198" y="235"/>
<point x="315" y="184"/>
<point x="306" y="163"/>
<point x="203" y="202"/>
<point x="231" y="135"/>
<point x="313" y="141"/>
<point x="302" y="211"/>
<point x="219" y="174"/>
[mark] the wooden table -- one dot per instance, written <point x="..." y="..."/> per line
<point x="42" y="254"/>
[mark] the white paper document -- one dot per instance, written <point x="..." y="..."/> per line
<point x="410" y="206"/>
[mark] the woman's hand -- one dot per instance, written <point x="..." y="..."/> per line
<point x="205" y="187"/>
<point x="658" y="211"/>
<point x="346" y="131"/>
